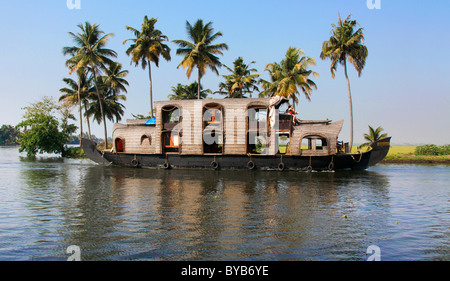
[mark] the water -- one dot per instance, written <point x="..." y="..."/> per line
<point x="114" y="213"/>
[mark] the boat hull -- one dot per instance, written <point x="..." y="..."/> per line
<point x="340" y="161"/>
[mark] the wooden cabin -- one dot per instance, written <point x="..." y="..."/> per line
<point x="225" y="126"/>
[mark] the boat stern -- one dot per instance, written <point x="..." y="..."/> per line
<point x="91" y="151"/>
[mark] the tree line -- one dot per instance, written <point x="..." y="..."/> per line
<point x="100" y="82"/>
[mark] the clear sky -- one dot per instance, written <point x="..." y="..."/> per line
<point x="404" y="87"/>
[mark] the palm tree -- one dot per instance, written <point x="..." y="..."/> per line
<point x="76" y="93"/>
<point x="116" y="80"/>
<point x="290" y="75"/>
<point x="373" y="136"/>
<point x="112" y="108"/>
<point x="147" y="47"/>
<point x="241" y="80"/>
<point x="89" y="51"/>
<point x="200" y="53"/>
<point x="186" y="92"/>
<point x="346" y="44"/>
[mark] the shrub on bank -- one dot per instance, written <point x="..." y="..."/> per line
<point x="431" y="149"/>
<point x="73" y="152"/>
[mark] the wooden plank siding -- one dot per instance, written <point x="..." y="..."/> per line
<point x="234" y="125"/>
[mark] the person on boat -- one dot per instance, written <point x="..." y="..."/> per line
<point x="292" y="112"/>
<point x="338" y="145"/>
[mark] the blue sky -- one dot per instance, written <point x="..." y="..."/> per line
<point x="404" y="87"/>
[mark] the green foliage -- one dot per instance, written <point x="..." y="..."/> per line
<point x="73" y="152"/>
<point x="140" y="116"/>
<point x="201" y="52"/>
<point x="241" y="80"/>
<point x="147" y="46"/>
<point x="90" y="52"/>
<point x="373" y="136"/>
<point x="346" y="44"/>
<point x="8" y="135"/>
<point x="290" y="76"/>
<point x="186" y="92"/>
<point x="42" y="131"/>
<point x="432" y="149"/>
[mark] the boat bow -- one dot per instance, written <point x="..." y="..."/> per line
<point x="380" y="149"/>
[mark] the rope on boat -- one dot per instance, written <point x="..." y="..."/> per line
<point x="214" y="163"/>
<point x="309" y="168"/>
<point x="331" y="165"/>
<point x="281" y="164"/>
<point x="166" y="164"/>
<point x="360" y="156"/>
<point x="134" y="162"/>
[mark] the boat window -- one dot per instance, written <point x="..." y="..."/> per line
<point x="283" y="143"/>
<point x="257" y="143"/>
<point x="213" y="128"/>
<point x="212" y="141"/>
<point x="314" y="143"/>
<point x="212" y="114"/>
<point x="257" y="140"/>
<point x="170" y="137"/>
<point x="284" y="122"/>
<point x="171" y="141"/>
<point x="119" y="144"/>
<point x="144" y="137"/>
<point x="170" y="117"/>
<point x="257" y="118"/>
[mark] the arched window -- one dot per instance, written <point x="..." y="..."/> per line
<point x="257" y="140"/>
<point x="170" y="117"/>
<point x="146" y="137"/>
<point x="119" y="144"/>
<point x="170" y="136"/>
<point x="213" y="128"/>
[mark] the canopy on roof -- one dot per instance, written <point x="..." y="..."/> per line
<point x="151" y="121"/>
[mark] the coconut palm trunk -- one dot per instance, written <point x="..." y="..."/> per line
<point x="350" y="106"/>
<point x="81" y="112"/>
<point x="88" y="123"/>
<point x="346" y="44"/>
<point x="101" y="108"/>
<point x="198" y="87"/>
<point x="151" y="90"/>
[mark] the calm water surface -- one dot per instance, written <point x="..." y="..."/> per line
<point x="114" y="213"/>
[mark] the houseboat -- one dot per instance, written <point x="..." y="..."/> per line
<point x="242" y="133"/>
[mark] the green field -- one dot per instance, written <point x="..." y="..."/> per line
<point x="406" y="154"/>
<point x="393" y="150"/>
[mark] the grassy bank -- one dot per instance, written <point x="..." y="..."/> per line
<point x="406" y="154"/>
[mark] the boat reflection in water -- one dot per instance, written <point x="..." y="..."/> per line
<point x="197" y="214"/>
